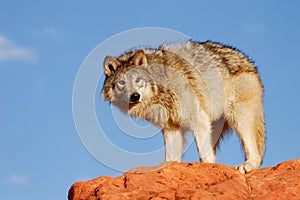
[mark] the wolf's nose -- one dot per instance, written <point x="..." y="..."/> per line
<point x="135" y="97"/>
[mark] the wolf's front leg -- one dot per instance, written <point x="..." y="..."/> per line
<point x="174" y="141"/>
<point x="204" y="140"/>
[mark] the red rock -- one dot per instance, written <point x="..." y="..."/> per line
<point x="173" y="180"/>
<point x="280" y="182"/>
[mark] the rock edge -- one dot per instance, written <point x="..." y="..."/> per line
<point x="194" y="180"/>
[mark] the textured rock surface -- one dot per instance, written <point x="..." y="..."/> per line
<point x="175" y="180"/>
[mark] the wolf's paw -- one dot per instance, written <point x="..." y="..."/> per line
<point x="245" y="167"/>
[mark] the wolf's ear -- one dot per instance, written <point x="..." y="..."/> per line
<point x="110" y="65"/>
<point x="139" y="58"/>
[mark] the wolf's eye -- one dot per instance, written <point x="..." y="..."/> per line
<point x="137" y="80"/>
<point x="121" y="82"/>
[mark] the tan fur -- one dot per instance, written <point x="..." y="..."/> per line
<point x="206" y="88"/>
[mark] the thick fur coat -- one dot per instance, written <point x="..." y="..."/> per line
<point x="206" y="88"/>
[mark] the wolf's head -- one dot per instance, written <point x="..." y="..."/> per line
<point x="128" y="82"/>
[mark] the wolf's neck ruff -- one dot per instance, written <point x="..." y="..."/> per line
<point x="168" y="111"/>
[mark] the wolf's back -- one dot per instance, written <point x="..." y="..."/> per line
<point x="205" y="55"/>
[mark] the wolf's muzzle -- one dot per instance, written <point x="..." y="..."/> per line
<point x="135" y="97"/>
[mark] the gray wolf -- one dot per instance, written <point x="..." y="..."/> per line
<point x="206" y="88"/>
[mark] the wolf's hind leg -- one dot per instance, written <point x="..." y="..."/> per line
<point x="251" y="130"/>
<point x="174" y="142"/>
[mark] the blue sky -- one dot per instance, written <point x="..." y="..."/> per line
<point x="43" y="44"/>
